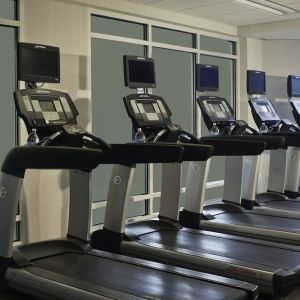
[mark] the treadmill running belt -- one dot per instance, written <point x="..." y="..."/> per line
<point x="260" y="220"/>
<point x="133" y="279"/>
<point x="285" y="204"/>
<point x="234" y="249"/>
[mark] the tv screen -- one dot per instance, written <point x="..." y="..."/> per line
<point x="139" y="72"/>
<point x="293" y="86"/>
<point x="207" y="78"/>
<point x="38" y="63"/>
<point x="256" y="82"/>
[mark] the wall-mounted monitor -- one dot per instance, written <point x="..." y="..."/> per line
<point x="293" y="86"/>
<point x="139" y="72"/>
<point x="207" y="78"/>
<point x="38" y="63"/>
<point x="256" y="82"/>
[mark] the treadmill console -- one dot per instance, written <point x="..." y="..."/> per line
<point x="46" y="110"/>
<point x="147" y="110"/>
<point x="295" y="103"/>
<point x="263" y="111"/>
<point x="216" y="110"/>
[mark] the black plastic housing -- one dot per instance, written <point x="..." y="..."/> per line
<point x="40" y="56"/>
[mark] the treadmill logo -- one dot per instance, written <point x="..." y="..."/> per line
<point x="117" y="180"/>
<point x="3" y="192"/>
<point x="195" y="169"/>
<point x="243" y="271"/>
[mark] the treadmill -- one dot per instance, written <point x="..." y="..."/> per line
<point x="284" y="174"/>
<point x="231" y="215"/>
<point x="270" y="265"/>
<point x="69" y="268"/>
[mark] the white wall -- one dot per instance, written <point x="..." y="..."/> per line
<point x="65" y="23"/>
<point x="281" y="57"/>
<point x="66" y="26"/>
<point x="251" y="58"/>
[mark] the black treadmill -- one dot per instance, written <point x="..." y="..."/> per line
<point x="270" y="265"/>
<point x="232" y="217"/>
<point x="68" y="268"/>
<point x="284" y="165"/>
<point x="291" y="133"/>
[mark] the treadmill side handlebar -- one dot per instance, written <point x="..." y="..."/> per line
<point x="134" y="153"/>
<point x="234" y="147"/>
<point x="197" y="152"/>
<point x="272" y="142"/>
<point x="291" y="139"/>
<point x="19" y="159"/>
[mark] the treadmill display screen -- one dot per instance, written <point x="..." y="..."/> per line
<point x="139" y="72"/>
<point x="149" y="108"/>
<point x="256" y="82"/>
<point x="266" y="110"/>
<point x="207" y="77"/>
<point x="47" y="106"/>
<point x="217" y="107"/>
<point x="38" y="63"/>
<point x="297" y="106"/>
<point x="293" y="86"/>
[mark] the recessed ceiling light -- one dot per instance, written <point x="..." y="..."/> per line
<point x="267" y="6"/>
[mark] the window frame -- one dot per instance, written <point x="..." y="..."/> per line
<point x="16" y="24"/>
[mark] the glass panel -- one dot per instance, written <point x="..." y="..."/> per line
<point x="217" y="45"/>
<point x="8" y="9"/>
<point x="276" y="91"/>
<point x="226" y="90"/>
<point x="110" y="120"/>
<point x="7" y="87"/>
<point x="214" y="193"/>
<point x="173" y="37"/>
<point x="17" y="232"/>
<point x="118" y="27"/>
<point x="134" y="209"/>
<point x="174" y="75"/>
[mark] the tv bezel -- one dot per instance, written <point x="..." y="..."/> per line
<point x="37" y="78"/>
<point x="134" y="84"/>
<point x="250" y="72"/>
<point x="289" y="86"/>
<point x="198" y="71"/>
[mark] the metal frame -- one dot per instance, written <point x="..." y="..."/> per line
<point x="149" y="43"/>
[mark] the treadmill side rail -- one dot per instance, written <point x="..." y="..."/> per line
<point x="10" y="189"/>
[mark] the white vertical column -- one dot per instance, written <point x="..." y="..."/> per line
<point x="233" y="182"/>
<point x="196" y="185"/>
<point x="10" y="191"/>
<point x="170" y="191"/>
<point x="277" y="173"/>
<point x="251" y="164"/>
<point x="292" y="170"/>
<point x="117" y="198"/>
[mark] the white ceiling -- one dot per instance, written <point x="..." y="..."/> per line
<point x="223" y="11"/>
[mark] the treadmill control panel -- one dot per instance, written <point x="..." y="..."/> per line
<point x="263" y="111"/>
<point x="147" y="110"/>
<point x="295" y="103"/>
<point x="216" y="110"/>
<point x="45" y="109"/>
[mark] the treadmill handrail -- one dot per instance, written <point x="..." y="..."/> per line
<point x="292" y="139"/>
<point x="19" y="159"/>
<point x="133" y="153"/>
<point x="230" y="146"/>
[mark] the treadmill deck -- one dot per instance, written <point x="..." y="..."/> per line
<point x="94" y="273"/>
